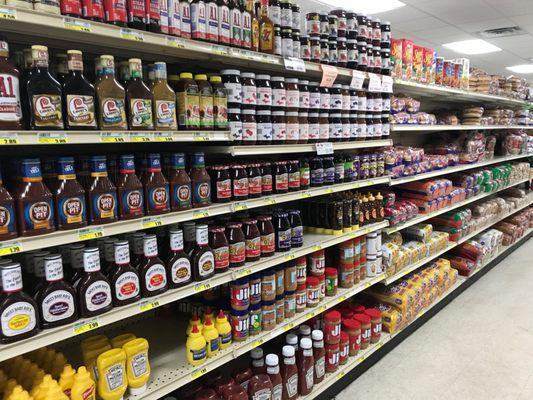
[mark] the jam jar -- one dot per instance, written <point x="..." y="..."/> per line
<point x="314" y="48"/>
<point x="324" y="24"/>
<point x="267" y="235"/>
<point x="324" y="51"/>
<point x="376" y="56"/>
<point x="252" y="240"/>
<point x="282" y="228"/>
<point x="264" y="127"/>
<point x="235" y="125"/>
<point x="333" y="51"/>
<point x="249" y="90"/>
<point x="220" y="247"/>
<point x="314" y="97"/>
<point x="342" y="52"/>
<point x="279" y="127"/>
<point x="280" y="177"/>
<point x="305" y="48"/>
<point x="314" y="127"/>
<point x="297" y="229"/>
<point x="351" y="53"/>
<point x="335" y="127"/>
<point x="335" y="104"/>
<point x="362" y="61"/>
<point x="249" y="127"/>
<point x="303" y="87"/>
<point x="323" y="127"/>
<point x="237" y="244"/>
<point x="264" y="92"/>
<point x="266" y="179"/>
<point x="312" y="23"/>
<point x="279" y="95"/>
<point x="292" y="94"/>
<point x="325" y="98"/>
<point x="293" y="128"/>
<point x="254" y="180"/>
<point x="296" y="50"/>
<point x="286" y="42"/>
<point x="369" y="126"/>
<point x="303" y="122"/>
<point x="293" y="171"/>
<point x="239" y="178"/>
<point x="221" y="183"/>
<point x="233" y="85"/>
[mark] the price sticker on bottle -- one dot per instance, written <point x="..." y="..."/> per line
<point x="8" y="13"/>
<point x="239" y="206"/>
<point x="76" y="24"/>
<point x="9" y="138"/>
<point x="175" y="42"/>
<point x="163" y="137"/>
<point x="200" y="287"/>
<point x="112" y="137"/>
<point x="149" y="305"/>
<point x="10" y="248"/>
<point x="90" y="233"/>
<point x="152" y="222"/>
<point x="324" y="148"/>
<point x="85" y="326"/>
<point x="131" y="34"/>
<point x="197" y="214"/>
<point x="198" y="373"/>
<point x="52" y="137"/>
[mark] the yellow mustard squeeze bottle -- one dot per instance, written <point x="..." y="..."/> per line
<point x="83" y="387"/>
<point x="224" y="330"/>
<point x="66" y="379"/>
<point x="194" y="321"/>
<point x="112" y="383"/>
<point x="91" y="353"/>
<point x="118" y="341"/>
<point x="211" y="337"/>
<point x="19" y="393"/>
<point x="196" y="347"/>
<point x="137" y="365"/>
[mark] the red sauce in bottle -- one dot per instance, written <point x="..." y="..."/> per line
<point x="272" y="363"/>
<point x="289" y="374"/>
<point x="260" y="387"/>
<point x="306" y="368"/>
<point x="152" y="270"/>
<point x="319" y="354"/>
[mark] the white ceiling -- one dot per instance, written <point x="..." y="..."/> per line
<point x="434" y="22"/>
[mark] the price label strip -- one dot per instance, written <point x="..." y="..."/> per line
<point x="269" y="201"/>
<point x="76" y="25"/>
<point x="9" y="138"/>
<point x="149" y="305"/>
<point x="152" y="222"/>
<point x="8" y="13"/>
<point x="138" y="137"/>
<point x="324" y="148"/>
<point x="386" y="84"/>
<point x="90" y="233"/>
<point x="294" y="64"/>
<point x="305" y="195"/>
<point x="85" y="326"/>
<point x="52" y="137"/>
<point x="358" y="78"/>
<point x="242" y="272"/>
<point x="175" y="42"/>
<point x="112" y="137"/>
<point x="196" y="214"/>
<point x="200" y="287"/>
<point x="131" y="34"/>
<point x="239" y="206"/>
<point x="10" y="248"/>
<point x="163" y="137"/>
<point x="256" y="343"/>
<point x="198" y="373"/>
<point x="201" y="137"/>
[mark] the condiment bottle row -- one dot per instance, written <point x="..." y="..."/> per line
<point x="71" y="193"/>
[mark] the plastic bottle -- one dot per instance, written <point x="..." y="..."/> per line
<point x="258" y="361"/>
<point x="19" y="393"/>
<point x="66" y="380"/>
<point x="83" y="387"/>
<point x="211" y="337"/>
<point x="196" y="347"/>
<point x="53" y="391"/>
<point x="224" y="330"/>
<point x="112" y="382"/>
<point x="194" y="321"/>
<point x="90" y="354"/>
<point x="119" y="341"/>
<point x="137" y="365"/>
<point x="272" y="370"/>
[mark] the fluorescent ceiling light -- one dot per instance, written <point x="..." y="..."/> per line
<point x="367" y="6"/>
<point x="522" y="69"/>
<point x="474" y="46"/>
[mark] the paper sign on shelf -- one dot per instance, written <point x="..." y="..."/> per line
<point x="9" y="138"/>
<point x="324" y="148"/>
<point x="374" y="83"/>
<point x="175" y="42"/>
<point x="386" y="84"/>
<point x="52" y="137"/>
<point x="131" y="34"/>
<point x="358" y="78"/>
<point x="76" y="24"/>
<point x="329" y="74"/>
<point x="8" y="13"/>
<point x="294" y="64"/>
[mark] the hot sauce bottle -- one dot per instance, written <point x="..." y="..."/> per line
<point x="102" y="194"/>
<point x="152" y="270"/>
<point x="129" y="190"/>
<point x="33" y="201"/>
<point x="202" y="257"/>
<point x="8" y="227"/>
<point x="18" y="315"/>
<point x="124" y="279"/>
<point x="180" y="184"/>
<point x="156" y="188"/>
<point x="289" y="374"/>
<point x="10" y="107"/>
<point x="43" y="93"/>
<point x="94" y="291"/>
<point x="56" y="298"/>
<point x="201" y="182"/>
<point x="138" y="99"/>
<point x="69" y="197"/>
<point x="111" y="98"/>
<point x="78" y="95"/>
<point x="178" y="263"/>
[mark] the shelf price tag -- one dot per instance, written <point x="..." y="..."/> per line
<point x="329" y="74"/>
<point x="163" y="137"/>
<point x="358" y="78"/>
<point x="204" y="213"/>
<point x="239" y="206"/>
<point x="386" y="84"/>
<point x="198" y="373"/>
<point x="288" y="327"/>
<point x="294" y="64"/>
<point x="324" y="148"/>
<point x="305" y="195"/>
<point x="90" y="233"/>
<point x="138" y="137"/>
<point x="220" y="50"/>
<point x="8" y="13"/>
<point x="151" y="222"/>
<point x="242" y="272"/>
<point x="175" y="42"/>
<point x="341" y="374"/>
<point x="76" y="24"/>
<point x="256" y="343"/>
<point x="269" y="201"/>
<point x="289" y="257"/>
<point x="374" y="83"/>
<point x="201" y="137"/>
<point x="317" y="247"/>
<point x="149" y="305"/>
<point x="131" y="34"/>
<point x="360" y="359"/>
<point x="52" y="137"/>
<point x="10" y="248"/>
<point x="200" y="287"/>
<point x="85" y="326"/>
<point x="9" y="138"/>
<point x="328" y="191"/>
<point x="112" y="137"/>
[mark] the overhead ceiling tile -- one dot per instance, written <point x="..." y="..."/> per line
<point x="510" y="8"/>
<point x="459" y="11"/>
<point x="419" y="24"/>
<point x="481" y="25"/>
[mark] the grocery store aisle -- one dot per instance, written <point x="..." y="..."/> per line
<point x="480" y="346"/>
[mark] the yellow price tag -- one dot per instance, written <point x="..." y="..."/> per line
<point x="328" y="191"/>
<point x="310" y="315"/>
<point x="200" y="137"/>
<point x="52" y="138"/>
<point x="131" y="35"/>
<point x="289" y="257"/>
<point x="145" y="306"/>
<point x="152" y="222"/>
<point x="175" y="42"/>
<point x="239" y="206"/>
<point x="220" y="50"/>
<point x="305" y="195"/>
<point x="288" y="327"/>
<point x="85" y="326"/>
<point x="200" y="214"/>
<point x="380" y="344"/>
<point x="321" y="309"/>
<point x="10" y="248"/>
<point x="9" y="138"/>
<point x="258" y="342"/>
<point x="163" y="137"/>
<point x="341" y="374"/>
<point x="198" y="373"/>
<point x="8" y="13"/>
<point x="317" y="247"/>
<point x="76" y="24"/>
<point x="367" y="285"/>
<point x="139" y="138"/>
<point x="360" y="359"/>
<point x="90" y="233"/>
<point x="243" y="272"/>
<point x="112" y="137"/>
<point x="342" y="298"/>
<point x="270" y="201"/>
<point x="200" y="287"/>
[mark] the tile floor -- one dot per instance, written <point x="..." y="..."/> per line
<point x="479" y="347"/>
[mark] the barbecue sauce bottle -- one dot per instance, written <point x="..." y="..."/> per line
<point x="94" y="291"/>
<point x="102" y="194"/>
<point x="69" y="197"/>
<point x="129" y="190"/>
<point x="178" y="264"/>
<point x="8" y="227"/>
<point x="138" y="99"/>
<point x="152" y="270"/>
<point x="124" y="279"/>
<point x="156" y="187"/>
<point x="10" y="107"/>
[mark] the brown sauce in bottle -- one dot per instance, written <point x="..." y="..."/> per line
<point x="94" y="291"/>
<point x="129" y="190"/>
<point x="152" y="270"/>
<point x="102" y="194"/>
<point x="69" y="197"/>
<point x="8" y="226"/>
<point x="156" y="187"/>
<point x="124" y="279"/>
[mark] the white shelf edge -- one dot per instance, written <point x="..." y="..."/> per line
<point x="433" y="128"/>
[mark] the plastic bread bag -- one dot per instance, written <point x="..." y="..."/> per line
<point x="420" y="232"/>
<point x="395" y="237"/>
<point x="464" y="266"/>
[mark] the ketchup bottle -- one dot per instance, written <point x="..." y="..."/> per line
<point x="289" y="374"/>
<point x="319" y="354"/>
<point x="306" y="369"/>
<point x="272" y="362"/>
<point x="258" y="362"/>
<point x="151" y="269"/>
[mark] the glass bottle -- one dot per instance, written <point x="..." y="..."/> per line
<point x="10" y="110"/>
<point x="266" y="30"/>
<point x="111" y="98"/>
<point x="164" y="100"/>
<point x="138" y="99"/>
<point x="250" y="7"/>
<point x="78" y="95"/>
<point x="43" y="94"/>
